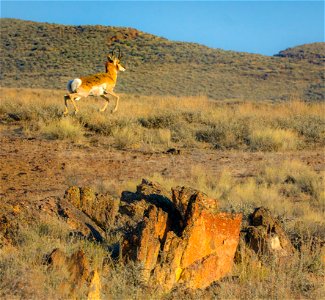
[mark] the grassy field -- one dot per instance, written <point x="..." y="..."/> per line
<point x="161" y="122"/>
<point x="293" y="191"/>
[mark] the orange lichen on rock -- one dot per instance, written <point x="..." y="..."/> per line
<point x="201" y="253"/>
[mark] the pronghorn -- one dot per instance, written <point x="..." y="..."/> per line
<point x="99" y="84"/>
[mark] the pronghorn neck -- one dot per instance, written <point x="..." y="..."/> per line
<point x="112" y="71"/>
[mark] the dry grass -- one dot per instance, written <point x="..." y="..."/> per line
<point x="62" y="129"/>
<point x="269" y="139"/>
<point x="293" y="191"/>
<point x="161" y="122"/>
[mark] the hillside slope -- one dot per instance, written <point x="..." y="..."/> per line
<point x="47" y="55"/>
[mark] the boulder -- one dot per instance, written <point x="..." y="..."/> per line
<point x="203" y="254"/>
<point x="101" y="208"/>
<point x="195" y="249"/>
<point x="78" y="222"/>
<point x="94" y="286"/>
<point x="266" y="237"/>
<point x="77" y="277"/>
<point x="152" y="232"/>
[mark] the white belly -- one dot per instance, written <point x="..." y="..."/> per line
<point x="97" y="90"/>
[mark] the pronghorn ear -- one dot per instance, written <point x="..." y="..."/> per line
<point x="109" y="58"/>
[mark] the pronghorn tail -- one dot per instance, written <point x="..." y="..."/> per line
<point x="73" y="85"/>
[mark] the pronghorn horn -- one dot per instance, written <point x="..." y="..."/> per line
<point x="119" y="53"/>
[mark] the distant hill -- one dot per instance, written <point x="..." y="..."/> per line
<point x="47" y="55"/>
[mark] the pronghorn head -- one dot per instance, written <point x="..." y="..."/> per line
<point x="114" y="60"/>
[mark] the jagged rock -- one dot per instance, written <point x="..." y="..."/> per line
<point x="72" y="194"/>
<point x="78" y="267"/>
<point x="78" y="222"/>
<point x="153" y="191"/>
<point x="157" y="195"/>
<point x="183" y="197"/>
<point x="95" y="286"/>
<point x="135" y="204"/>
<point x="136" y="209"/>
<point x="101" y="208"/>
<point x="107" y="209"/>
<point x="57" y="259"/>
<point x="266" y="237"/>
<point x="152" y="232"/>
<point x="203" y="254"/>
<point x="197" y="251"/>
<point x="77" y="274"/>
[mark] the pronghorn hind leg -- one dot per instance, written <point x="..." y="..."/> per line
<point x="107" y="101"/>
<point x="72" y="98"/>
<point x="66" y="110"/>
<point x="117" y="99"/>
<point x="74" y="105"/>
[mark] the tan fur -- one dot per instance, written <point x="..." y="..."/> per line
<point x="101" y="84"/>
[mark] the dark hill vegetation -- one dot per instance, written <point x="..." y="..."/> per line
<point x="47" y="55"/>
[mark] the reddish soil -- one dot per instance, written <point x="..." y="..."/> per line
<point x="33" y="168"/>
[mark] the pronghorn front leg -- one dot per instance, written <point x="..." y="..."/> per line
<point x="105" y="106"/>
<point x="117" y="99"/>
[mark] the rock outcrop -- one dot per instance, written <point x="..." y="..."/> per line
<point x="77" y="274"/>
<point x="266" y="237"/>
<point x="178" y="237"/>
<point x="101" y="208"/>
<point x="79" y="223"/>
<point x="194" y="249"/>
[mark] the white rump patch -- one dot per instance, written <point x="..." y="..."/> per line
<point x="73" y="85"/>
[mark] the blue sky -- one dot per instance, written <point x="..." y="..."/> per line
<point x="264" y="27"/>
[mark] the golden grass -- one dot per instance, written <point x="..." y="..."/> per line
<point x="269" y="139"/>
<point x="62" y="129"/>
<point x="156" y="121"/>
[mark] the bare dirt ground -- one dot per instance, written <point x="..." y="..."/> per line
<point x="32" y="168"/>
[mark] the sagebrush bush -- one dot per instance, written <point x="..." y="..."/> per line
<point x="311" y="127"/>
<point x="296" y="178"/>
<point x="63" y="129"/>
<point x="269" y="139"/>
<point x="127" y="137"/>
<point x="226" y="133"/>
